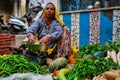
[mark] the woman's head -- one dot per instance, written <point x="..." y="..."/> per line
<point x="53" y="13"/>
<point x="49" y="10"/>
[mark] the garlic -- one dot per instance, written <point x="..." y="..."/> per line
<point x="113" y="55"/>
<point x="118" y="58"/>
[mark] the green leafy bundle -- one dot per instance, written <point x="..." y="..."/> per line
<point x="88" y="68"/>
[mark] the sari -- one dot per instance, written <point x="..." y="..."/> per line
<point x="63" y="46"/>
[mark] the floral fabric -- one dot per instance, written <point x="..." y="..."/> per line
<point x="63" y="47"/>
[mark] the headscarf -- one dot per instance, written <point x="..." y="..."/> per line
<point x="56" y="14"/>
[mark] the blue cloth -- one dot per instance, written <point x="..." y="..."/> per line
<point x="55" y="30"/>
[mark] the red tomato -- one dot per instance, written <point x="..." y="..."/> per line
<point x="56" y="73"/>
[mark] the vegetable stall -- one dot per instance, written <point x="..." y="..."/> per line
<point x="91" y="62"/>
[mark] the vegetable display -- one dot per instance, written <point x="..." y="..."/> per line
<point x="95" y="59"/>
<point x="92" y="51"/>
<point x="88" y="68"/>
<point x="18" y="64"/>
<point x="91" y="60"/>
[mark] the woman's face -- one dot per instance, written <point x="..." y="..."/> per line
<point x="49" y="11"/>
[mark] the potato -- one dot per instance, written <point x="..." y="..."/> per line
<point x="117" y="71"/>
<point x="118" y="78"/>
<point x="100" y="77"/>
<point x="111" y="75"/>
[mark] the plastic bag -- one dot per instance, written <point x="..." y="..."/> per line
<point x="27" y="76"/>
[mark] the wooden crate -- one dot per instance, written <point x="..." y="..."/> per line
<point x="6" y="40"/>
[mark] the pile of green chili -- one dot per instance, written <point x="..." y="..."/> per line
<point x="18" y="64"/>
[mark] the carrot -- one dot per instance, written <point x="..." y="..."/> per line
<point x="71" y="59"/>
<point x="87" y="79"/>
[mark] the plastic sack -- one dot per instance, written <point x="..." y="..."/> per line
<point x="27" y="76"/>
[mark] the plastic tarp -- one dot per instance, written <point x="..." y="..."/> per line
<point x="28" y="76"/>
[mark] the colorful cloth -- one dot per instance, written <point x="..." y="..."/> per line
<point x="63" y="47"/>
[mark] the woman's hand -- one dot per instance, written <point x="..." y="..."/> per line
<point x="45" y="39"/>
<point x="31" y="38"/>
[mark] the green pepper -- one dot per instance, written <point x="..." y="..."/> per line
<point x="62" y="74"/>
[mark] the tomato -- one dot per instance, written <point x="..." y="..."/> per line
<point x="56" y="73"/>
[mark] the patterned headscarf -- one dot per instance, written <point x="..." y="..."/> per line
<point x="56" y="14"/>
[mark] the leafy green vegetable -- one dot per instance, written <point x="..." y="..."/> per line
<point x="90" y="68"/>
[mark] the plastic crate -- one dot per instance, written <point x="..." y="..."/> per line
<point x="6" y="40"/>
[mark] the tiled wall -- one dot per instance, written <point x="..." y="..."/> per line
<point x="116" y="24"/>
<point x="93" y="27"/>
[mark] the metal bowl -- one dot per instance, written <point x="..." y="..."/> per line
<point x="43" y="47"/>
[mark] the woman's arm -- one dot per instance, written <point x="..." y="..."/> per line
<point x="57" y="32"/>
<point x="32" y="30"/>
<point x="34" y="27"/>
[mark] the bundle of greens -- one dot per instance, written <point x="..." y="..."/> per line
<point x="88" y="68"/>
